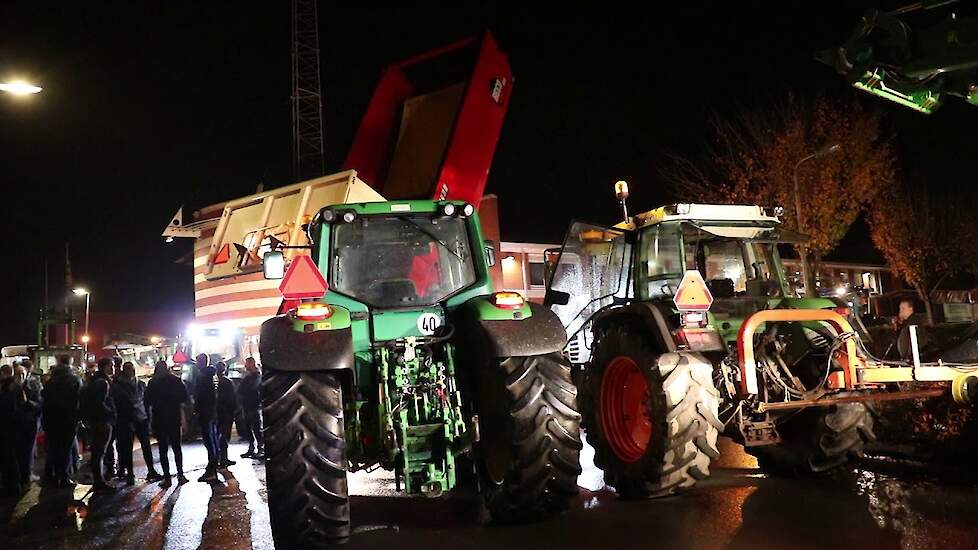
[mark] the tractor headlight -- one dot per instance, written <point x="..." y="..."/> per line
<point x="448" y="209"/>
<point x="349" y="216"/>
<point x="468" y="210"/>
<point x="328" y="216"/>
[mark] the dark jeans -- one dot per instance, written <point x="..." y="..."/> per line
<point x="101" y="433"/>
<point x="123" y="445"/>
<point x="141" y="430"/>
<point x="212" y="440"/>
<point x="252" y="423"/>
<point x="224" y="428"/>
<point x="59" y="443"/>
<point x="168" y="435"/>
<point x="108" y="460"/>
<point x="25" y="455"/>
<point x="9" y="473"/>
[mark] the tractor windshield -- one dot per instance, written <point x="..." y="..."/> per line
<point x="735" y="261"/>
<point x="401" y="261"/>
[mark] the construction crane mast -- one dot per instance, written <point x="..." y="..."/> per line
<point x="308" y="144"/>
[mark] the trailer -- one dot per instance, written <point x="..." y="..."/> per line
<point x="429" y="131"/>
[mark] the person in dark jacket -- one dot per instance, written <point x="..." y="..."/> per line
<point x="113" y="466"/>
<point x="205" y="407"/>
<point x="8" y="462"/>
<point x="123" y="396"/>
<point x="249" y="394"/>
<point x="907" y="316"/>
<point x="8" y="466"/>
<point x="227" y="409"/>
<point x="59" y="418"/>
<point x="27" y="412"/>
<point x="141" y="429"/>
<point x="32" y="381"/>
<point x="127" y="393"/>
<point x="100" y="415"/>
<point x="165" y="396"/>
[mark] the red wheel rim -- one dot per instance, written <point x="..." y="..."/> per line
<point x="624" y="409"/>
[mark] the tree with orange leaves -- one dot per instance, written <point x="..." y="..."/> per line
<point x="923" y="238"/>
<point x="755" y="154"/>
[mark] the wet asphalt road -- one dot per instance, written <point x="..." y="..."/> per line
<point x="877" y="505"/>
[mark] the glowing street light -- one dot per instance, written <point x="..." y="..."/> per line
<point x="85" y="339"/>
<point x="88" y="300"/>
<point x="19" y="88"/>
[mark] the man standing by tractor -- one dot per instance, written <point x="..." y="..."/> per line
<point x="907" y="316"/>
<point x="127" y="392"/>
<point x="99" y="414"/>
<point x="59" y="418"/>
<point x="165" y="396"/>
<point x="227" y="408"/>
<point x="112" y="466"/>
<point x="205" y="407"/>
<point x="249" y="393"/>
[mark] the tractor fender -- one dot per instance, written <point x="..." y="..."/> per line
<point x="648" y="314"/>
<point x="284" y="348"/>
<point x="536" y="331"/>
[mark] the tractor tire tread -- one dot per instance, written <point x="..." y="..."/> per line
<point x="305" y="458"/>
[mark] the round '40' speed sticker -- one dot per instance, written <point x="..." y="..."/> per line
<point x="428" y="323"/>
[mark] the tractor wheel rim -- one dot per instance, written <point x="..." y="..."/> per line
<point x="624" y="409"/>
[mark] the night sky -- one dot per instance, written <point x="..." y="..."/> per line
<point x="150" y="105"/>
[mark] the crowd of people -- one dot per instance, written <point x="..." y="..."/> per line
<point x="105" y="408"/>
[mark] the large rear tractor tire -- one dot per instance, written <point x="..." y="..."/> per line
<point x="652" y="418"/>
<point x="305" y="459"/>
<point x="528" y="455"/>
<point x="818" y="440"/>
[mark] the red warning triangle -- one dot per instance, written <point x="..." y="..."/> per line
<point x="303" y="280"/>
<point x="693" y="294"/>
<point x="223" y="255"/>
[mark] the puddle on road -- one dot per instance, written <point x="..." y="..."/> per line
<point x="925" y="514"/>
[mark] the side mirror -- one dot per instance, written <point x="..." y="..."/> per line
<point x="273" y="265"/>
<point x="556" y="298"/>
<point x="490" y="255"/>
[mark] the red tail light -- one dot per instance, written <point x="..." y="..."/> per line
<point x="507" y="300"/>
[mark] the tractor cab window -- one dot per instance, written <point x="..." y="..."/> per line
<point x="732" y="266"/>
<point x="660" y="261"/>
<point x="592" y="269"/>
<point x="401" y="261"/>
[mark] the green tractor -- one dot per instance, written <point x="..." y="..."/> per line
<point x="410" y="362"/>
<point x="682" y="326"/>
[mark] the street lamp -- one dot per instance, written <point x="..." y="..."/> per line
<point x="19" y="88"/>
<point x="799" y="218"/>
<point x="88" y="300"/>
